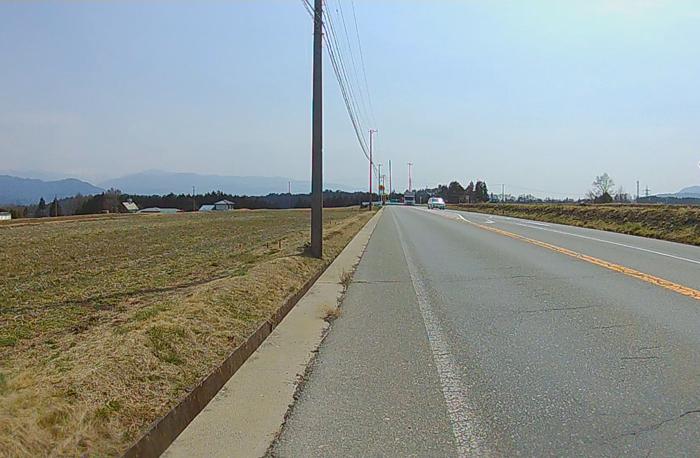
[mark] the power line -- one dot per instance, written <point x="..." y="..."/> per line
<point x="352" y="61"/>
<point x="334" y="45"/>
<point x="343" y="79"/>
<point x="362" y="61"/>
<point x="339" y="69"/>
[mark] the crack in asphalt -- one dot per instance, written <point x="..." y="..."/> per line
<point x="557" y="309"/>
<point x="612" y="326"/>
<point x="656" y="426"/>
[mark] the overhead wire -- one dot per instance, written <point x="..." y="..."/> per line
<point x="339" y="69"/>
<point x="360" y="91"/>
<point x="362" y="62"/>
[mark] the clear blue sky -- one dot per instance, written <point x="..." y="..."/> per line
<point x="537" y="94"/>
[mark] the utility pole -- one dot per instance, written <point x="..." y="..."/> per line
<point x="317" y="136"/>
<point x="371" y="132"/>
<point x="289" y="191"/>
<point x="379" y="181"/>
<point x="194" y="201"/>
<point x="390" y="188"/>
<point x="382" y="181"/>
<point x="410" y="188"/>
<point x="637" y="191"/>
<point x="503" y="193"/>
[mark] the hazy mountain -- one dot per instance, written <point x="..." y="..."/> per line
<point x="689" y="192"/>
<point x="36" y="174"/>
<point x="25" y="191"/>
<point x="159" y="182"/>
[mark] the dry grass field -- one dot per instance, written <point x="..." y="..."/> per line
<point x="106" y="323"/>
<point x="667" y="222"/>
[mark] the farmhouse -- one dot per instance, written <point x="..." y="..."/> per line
<point x="5" y="216"/>
<point x="130" y="206"/>
<point x="223" y="205"/>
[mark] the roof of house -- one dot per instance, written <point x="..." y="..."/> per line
<point x="130" y="206"/>
<point x="225" y="202"/>
<point x="206" y="208"/>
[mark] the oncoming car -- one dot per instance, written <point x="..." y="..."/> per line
<point x="436" y="202"/>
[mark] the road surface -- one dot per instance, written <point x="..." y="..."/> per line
<point x="465" y="335"/>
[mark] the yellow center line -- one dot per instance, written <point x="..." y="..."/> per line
<point x="675" y="287"/>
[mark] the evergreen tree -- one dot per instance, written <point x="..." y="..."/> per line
<point x="41" y="209"/>
<point x="455" y="193"/>
<point x="481" y="192"/>
<point x="55" y="208"/>
<point x="470" y="192"/>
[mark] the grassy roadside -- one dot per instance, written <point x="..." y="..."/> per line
<point x="666" y="222"/>
<point x="105" y="324"/>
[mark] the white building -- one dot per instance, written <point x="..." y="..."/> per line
<point x="5" y="216"/>
<point x="223" y="205"/>
<point x="130" y="206"/>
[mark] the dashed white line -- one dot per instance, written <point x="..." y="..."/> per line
<point x="680" y="258"/>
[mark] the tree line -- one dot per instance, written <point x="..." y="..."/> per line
<point x="453" y="193"/>
<point x="111" y="201"/>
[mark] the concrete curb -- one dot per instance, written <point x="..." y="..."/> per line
<point x="167" y="429"/>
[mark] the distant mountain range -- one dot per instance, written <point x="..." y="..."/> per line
<point x="159" y="182"/>
<point x="27" y="191"/>
<point x="691" y="192"/>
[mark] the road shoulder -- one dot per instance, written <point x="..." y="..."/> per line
<point x="246" y="415"/>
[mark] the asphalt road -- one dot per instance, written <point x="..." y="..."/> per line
<point x="465" y="334"/>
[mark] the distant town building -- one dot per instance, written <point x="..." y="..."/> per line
<point x="130" y="206"/>
<point x="160" y="210"/>
<point x="5" y="216"/>
<point x="223" y="205"/>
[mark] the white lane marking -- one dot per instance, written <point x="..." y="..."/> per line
<point x="462" y="416"/>
<point x="680" y="258"/>
<point x="537" y="223"/>
<point x="595" y="239"/>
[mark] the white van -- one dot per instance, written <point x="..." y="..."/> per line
<point x="436" y="202"/>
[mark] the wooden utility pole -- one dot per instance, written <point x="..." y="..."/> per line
<point x="390" y="188"/>
<point x="317" y="136"/>
<point x="371" y="132"/>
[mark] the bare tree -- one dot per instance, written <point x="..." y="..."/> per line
<point x="603" y="184"/>
<point x="621" y="196"/>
